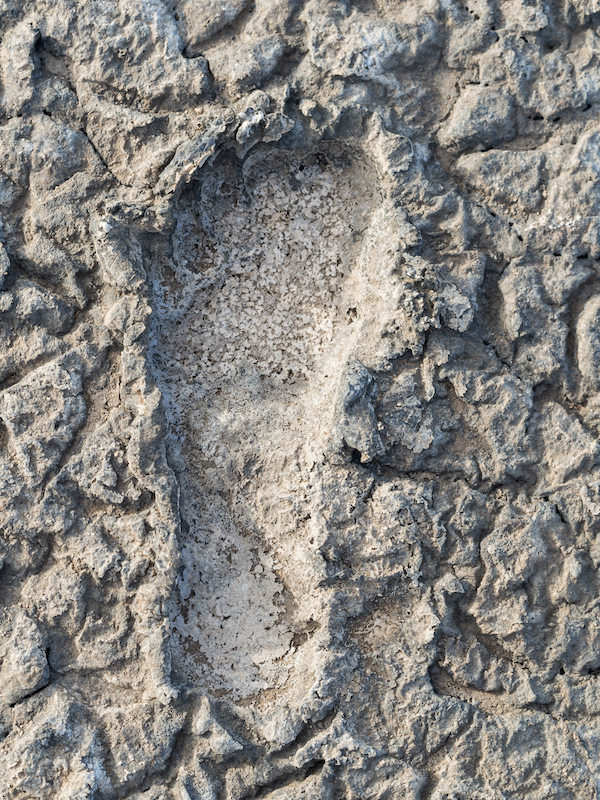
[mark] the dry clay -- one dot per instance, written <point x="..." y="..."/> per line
<point x="300" y="400"/>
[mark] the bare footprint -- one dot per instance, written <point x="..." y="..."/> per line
<point x="256" y="322"/>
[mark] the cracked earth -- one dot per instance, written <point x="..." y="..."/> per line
<point x="300" y="400"/>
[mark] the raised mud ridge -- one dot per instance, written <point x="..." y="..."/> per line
<point x="300" y="400"/>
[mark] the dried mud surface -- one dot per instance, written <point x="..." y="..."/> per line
<point x="300" y="400"/>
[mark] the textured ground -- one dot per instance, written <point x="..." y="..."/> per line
<point x="300" y="400"/>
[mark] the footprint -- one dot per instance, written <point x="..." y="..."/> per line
<point x="258" y="311"/>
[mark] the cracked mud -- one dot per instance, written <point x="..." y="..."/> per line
<point x="300" y="400"/>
